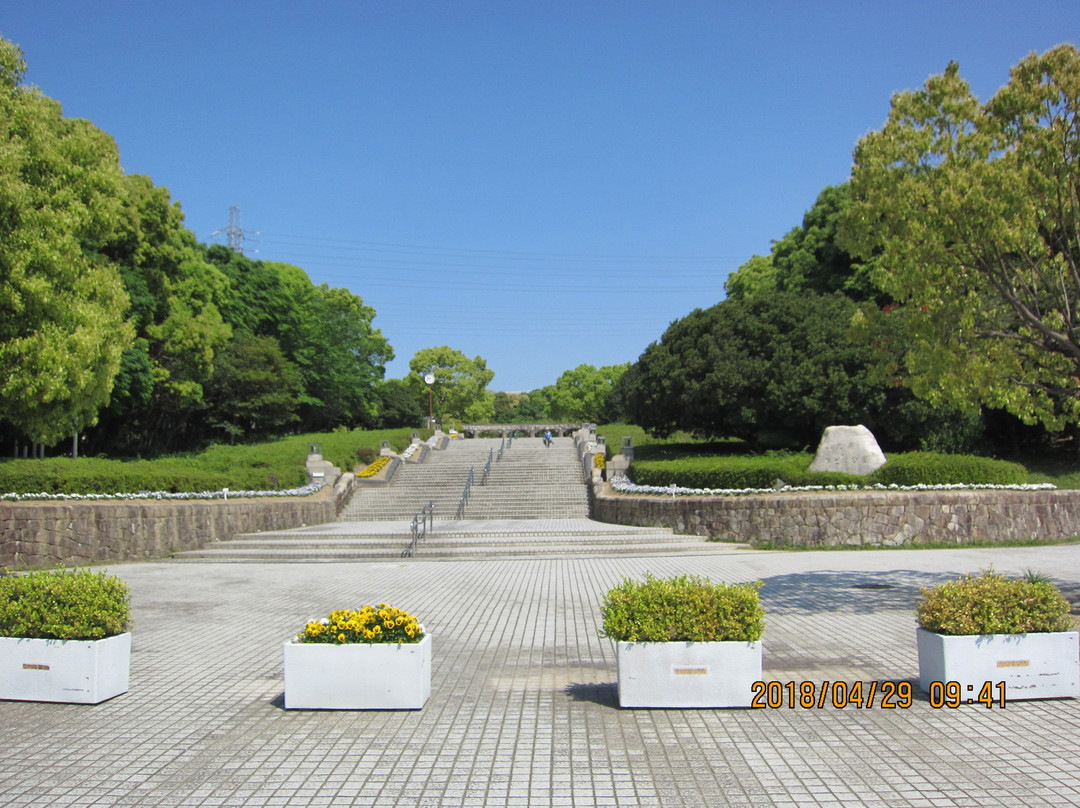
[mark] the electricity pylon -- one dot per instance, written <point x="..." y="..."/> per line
<point x="235" y="236"/>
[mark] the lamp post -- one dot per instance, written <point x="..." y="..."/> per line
<point x="429" y="379"/>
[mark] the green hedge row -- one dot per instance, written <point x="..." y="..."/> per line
<point x="271" y="466"/>
<point x="734" y="472"/>
<point x="98" y="476"/>
<point x="924" y="468"/>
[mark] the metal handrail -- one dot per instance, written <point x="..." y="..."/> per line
<point x="421" y="524"/>
<point x="487" y="467"/>
<point x="501" y="447"/>
<point x="465" y="496"/>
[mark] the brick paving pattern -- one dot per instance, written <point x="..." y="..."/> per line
<point x="523" y="709"/>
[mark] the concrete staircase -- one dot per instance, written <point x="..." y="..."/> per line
<point x="540" y="538"/>
<point x="529" y="482"/>
<point x="534" y="503"/>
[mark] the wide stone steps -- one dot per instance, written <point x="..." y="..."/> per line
<point x="534" y="504"/>
<point x="552" y="509"/>
<point x="452" y="539"/>
<point x="530" y="481"/>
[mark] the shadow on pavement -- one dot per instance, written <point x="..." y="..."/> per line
<point x="605" y="694"/>
<point x="851" y="591"/>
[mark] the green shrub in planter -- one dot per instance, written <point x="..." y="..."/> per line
<point x="990" y="603"/>
<point x="683" y="609"/>
<point x="63" y="605"/>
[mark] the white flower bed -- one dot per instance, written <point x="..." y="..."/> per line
<point x="624" y="485"/>
<point x="224" y="493"/>
<point x="411" y="450"/>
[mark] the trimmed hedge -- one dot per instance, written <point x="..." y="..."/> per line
<point x="98" y="476"/>
<point x="738" y="472"/>
<point x="734" y="472"/>
<point x="271" y="466"/>
<point x="923" y="468"/>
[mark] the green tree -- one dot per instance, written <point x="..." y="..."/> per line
<point x="326" y="332"/>
<point x="397" y="406"/>
<point x="350" y="361"/>
<point x="581" y="394"/>
<point x="809" y="258"/>
<point x="175" y="295"/>
<point x="255" y="390"/>
<point x="617" y="404"/>
<point x="782" y="366"/>
<point x="536" y="405"/>
<point x="62" y="303"/>
<point x="971" y="213"/>
<point x="460" y="386"/>
<point x="506" y="407"/>
<point x="756" y="277"/>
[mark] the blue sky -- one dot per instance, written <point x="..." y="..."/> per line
<point x="541" y="184"/>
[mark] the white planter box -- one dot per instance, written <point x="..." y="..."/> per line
<point x="688" y="674"/>
<point x="72" y="671"/>
<point x="1033" y="666"/>
<point x="357" y="676"/>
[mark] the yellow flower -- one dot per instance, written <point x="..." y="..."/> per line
<point x="383" y="623"/>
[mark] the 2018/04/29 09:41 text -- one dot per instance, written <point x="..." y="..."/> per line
<point x="887" y="695"/>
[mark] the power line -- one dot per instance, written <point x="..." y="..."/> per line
<point x="494" y="254"/>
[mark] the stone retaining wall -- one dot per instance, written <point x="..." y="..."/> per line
<point x="35" y="534"/>
<point x="873" y="518"/>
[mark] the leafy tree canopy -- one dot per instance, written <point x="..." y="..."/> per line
<point x="742" y="367"/>
<point x="971" y="213"/>
<point x="779" y="369"/>
<point x="756" y="277"/>
<point x="397" y="406"/>
<point x="809" y="258"/>
<point x="581" y="394"/>
<point x="460" y="387"/>
<point x="255" y="390"/>
<point x="535" y="406"/>
<point x="327" y="333"/>
<point x="62" y="303"/>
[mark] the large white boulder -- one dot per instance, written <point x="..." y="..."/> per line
<point x="850" y="449"/>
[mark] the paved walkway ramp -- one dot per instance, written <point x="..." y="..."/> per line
<point x="533" y="503"/>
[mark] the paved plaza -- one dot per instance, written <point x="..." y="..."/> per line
<point x="523" y="709"/>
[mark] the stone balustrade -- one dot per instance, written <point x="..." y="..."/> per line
<point x="532" y="430"/>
